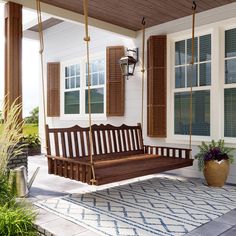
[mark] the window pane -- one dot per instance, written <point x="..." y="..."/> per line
<point x="97" y="101"/>
<point x="72" y="104"/>
<point x="230" y="43"/>
<point x="77" y="69"/>
<point x="192" y="75"/>
<point x="230" y="71"/>
<point x="72" y="82"/>
<point x="200" y="113"/>
<point x="205" y="74"/>
<point x="66" y="71"/>
<point x="205" y="48"/>
<point x="72" y="70"/>
<point x="180" y="77"/>
<point x="101" y="65"/>
<point x="189" y="50"/>
<point x="77" y="82"/>
<point x="94" y="66"/>
<point x="94" y="79"/>
<point x="180" y="53"/>
<point x="101" y="78"/>
<point x="67" y="84"/>
<point x="230" y="113"/>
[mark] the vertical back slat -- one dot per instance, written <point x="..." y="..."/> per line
<point x="119" y="140"/>
<point x="56" y="144"/>
<point x="76" y="143"/>
<point x="124" y="140"/>
<point x="99" y="141"/>
<point x="132" y="139"/>
<point x="104" y="141"/>
<point x="82" y="143"/>
<point x="128" y="139"/>
<point x="70" y="144"/>
<point x="109" y="141"/>
<point x="88" y="142"/>
<point x="114" y="140"/>
<point x="94" y="143"/>
<point x="137" y="139"/>
<point x="63" y="142"/>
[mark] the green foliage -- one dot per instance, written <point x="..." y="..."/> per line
<point x="205" y="148"/>
<point x="34" y="116"/>
<point x="17" y="220"/>
<point x="6" y="195"/>
<point x="32" y="141"/>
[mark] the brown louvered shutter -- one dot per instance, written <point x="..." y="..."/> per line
<point x="53" y="89"/>
<point x="115" y="82"/>
<point x="156" y="86"/>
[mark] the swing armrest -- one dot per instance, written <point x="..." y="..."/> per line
<point x="168" y="151"/>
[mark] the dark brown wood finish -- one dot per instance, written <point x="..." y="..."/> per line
<point x="53" y="89"/>
<point x="128" y="14"/>
<point x="115" y="82"/>
<point x="156" y="86"/>
<point x="13" y="55"/>
<point x="114" y="160"/>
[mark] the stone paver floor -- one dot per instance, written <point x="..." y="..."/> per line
<point x="49" y="186"/>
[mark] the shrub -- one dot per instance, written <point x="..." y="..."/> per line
<point x="32" y="140"/>
<point x="17" y="220"/>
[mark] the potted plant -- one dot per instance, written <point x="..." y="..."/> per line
<point x="214" y="160"/>
<point x="34" y="144"/>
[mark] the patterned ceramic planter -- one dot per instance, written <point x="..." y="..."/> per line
<point x="216" y="173"/>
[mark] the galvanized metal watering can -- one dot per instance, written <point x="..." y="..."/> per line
<point x="18" y="181"/>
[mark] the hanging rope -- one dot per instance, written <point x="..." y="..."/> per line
<point x="194" y="7"/>
<point x="87" y="40"/>
<point x="41" y="41"/>
<point x="143" y="70"/>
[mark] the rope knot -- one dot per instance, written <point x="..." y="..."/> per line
<point x="87" y="38"/>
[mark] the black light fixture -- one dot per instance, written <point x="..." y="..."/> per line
<point x="128" y="63"/>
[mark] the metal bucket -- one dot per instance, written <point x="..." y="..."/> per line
<point x="18" y="181"/>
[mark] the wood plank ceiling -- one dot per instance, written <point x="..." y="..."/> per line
<point x="129" y="13"/>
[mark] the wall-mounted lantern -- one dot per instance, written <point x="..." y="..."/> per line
<point x="128" y="62"/>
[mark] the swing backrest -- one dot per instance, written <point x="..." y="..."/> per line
<point x="107" y="140"/>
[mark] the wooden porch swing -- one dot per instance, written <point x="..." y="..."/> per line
<point x="102" y="154"/>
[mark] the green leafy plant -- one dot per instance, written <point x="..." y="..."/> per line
<point x="17" y="220"/>
<point x="213" y="151"/>
<point x="32" y="140"/>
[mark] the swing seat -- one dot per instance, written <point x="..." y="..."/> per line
<point x="118" y="154"/>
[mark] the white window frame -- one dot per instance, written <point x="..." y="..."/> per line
<point x="82" y="62"/>
<point x="171" y="40"/>
<point x="223" y="84"/>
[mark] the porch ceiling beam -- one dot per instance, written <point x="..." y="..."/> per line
<point x="75" y="17"/>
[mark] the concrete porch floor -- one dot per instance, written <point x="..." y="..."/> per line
<point x="50" y="186"/>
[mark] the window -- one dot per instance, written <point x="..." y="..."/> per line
<point x="76" y="88"/>
<point x="97" y="69"/>
<point x="72" y="89"/>
<point x="230" y="84"/>
<point x="197" y="75"/>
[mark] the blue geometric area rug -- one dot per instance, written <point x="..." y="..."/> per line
<point x="165" y="206"/>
